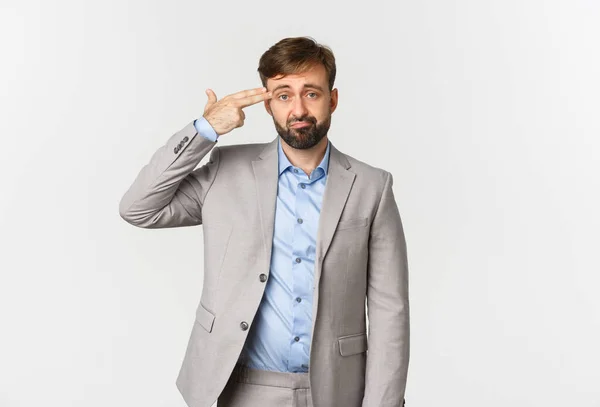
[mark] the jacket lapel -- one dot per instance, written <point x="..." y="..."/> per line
<point x="338" y="186"/>
<point x="266" y="176"/>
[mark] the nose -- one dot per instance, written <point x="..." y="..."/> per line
<point x="298" y="108"/>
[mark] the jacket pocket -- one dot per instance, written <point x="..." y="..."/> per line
<point x="353" y="344"/>
<point x="352" y="223"/>
<point x="205" y="318"/>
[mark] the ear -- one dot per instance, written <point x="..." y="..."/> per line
<point x="268" y="107"/>
<point x="333" y="100"/>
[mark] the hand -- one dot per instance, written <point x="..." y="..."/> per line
<point x="226" y="114"/>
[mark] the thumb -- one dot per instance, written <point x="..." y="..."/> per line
<point x="212" y="98"/>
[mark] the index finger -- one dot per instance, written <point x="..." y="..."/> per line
<point x="251" y="100"/>
<point x="250" y="92"/>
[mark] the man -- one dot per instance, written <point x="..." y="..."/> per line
<point x="296" y="236"/>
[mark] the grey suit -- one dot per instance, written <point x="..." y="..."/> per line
<point x="361" y="253"/>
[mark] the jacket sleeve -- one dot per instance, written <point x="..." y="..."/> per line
<point x="387" y="306"/>
<point x="169" y="191"/>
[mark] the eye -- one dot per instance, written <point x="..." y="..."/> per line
<point x="282" y="96"/>
<point x="313" y="93"/>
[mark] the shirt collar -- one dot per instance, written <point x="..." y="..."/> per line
<point x="284" y="163"/>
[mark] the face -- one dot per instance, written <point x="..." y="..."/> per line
<point x="301" y="106"/>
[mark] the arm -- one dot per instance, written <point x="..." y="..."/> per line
<point x="387" y="306"/>
<point x="168" y="192"/>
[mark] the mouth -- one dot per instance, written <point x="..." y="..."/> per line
<point x="298" y="125"/>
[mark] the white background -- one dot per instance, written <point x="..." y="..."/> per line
<point x="486" y="112"/>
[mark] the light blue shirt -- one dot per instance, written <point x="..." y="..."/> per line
<point x="205" y="129"/>
<point x="279" y="339"/>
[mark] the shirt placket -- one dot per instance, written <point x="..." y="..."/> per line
<point x="300" y="273"/>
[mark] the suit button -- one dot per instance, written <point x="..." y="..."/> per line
<point x="176" y="150"/>
<point x="263" y="278"/>
<point x="244" y="325"/>
<point x="185" y="139"/>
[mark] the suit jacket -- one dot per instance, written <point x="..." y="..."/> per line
<point x="360" y="254"/>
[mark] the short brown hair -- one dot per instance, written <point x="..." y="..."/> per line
<point x="296" y="55"/>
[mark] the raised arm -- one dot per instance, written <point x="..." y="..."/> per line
<point x="168" y="191"/>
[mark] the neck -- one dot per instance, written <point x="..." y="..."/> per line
<point x="307" y="159"/>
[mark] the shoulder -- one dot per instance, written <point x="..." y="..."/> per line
<point x="368" y="173"/>
<point x="239" y="153"/>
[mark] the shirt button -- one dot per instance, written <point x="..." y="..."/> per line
<point x="303" y="186"/>
<point x="296" y="170"/>
<point x="244" y="325"/>
<point x="296" y="339"/>
<point x="263" y="278"/>
<point x="298" y="259"/>
<point x="299" y="299"/>
<point x="300" y="220"/>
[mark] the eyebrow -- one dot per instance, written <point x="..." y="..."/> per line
<point x="307" y="85"/>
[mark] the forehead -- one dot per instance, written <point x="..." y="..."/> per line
<point x="316" y="75"/>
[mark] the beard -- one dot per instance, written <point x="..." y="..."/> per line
<point x="304" y="137"/>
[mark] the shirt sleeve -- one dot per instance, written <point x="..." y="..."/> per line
<point x="205" y="129"/>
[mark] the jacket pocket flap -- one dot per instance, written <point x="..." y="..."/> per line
<point x="353" y="344"/>
<point x="204" y="317"/>
<point x="352" y="223"/>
